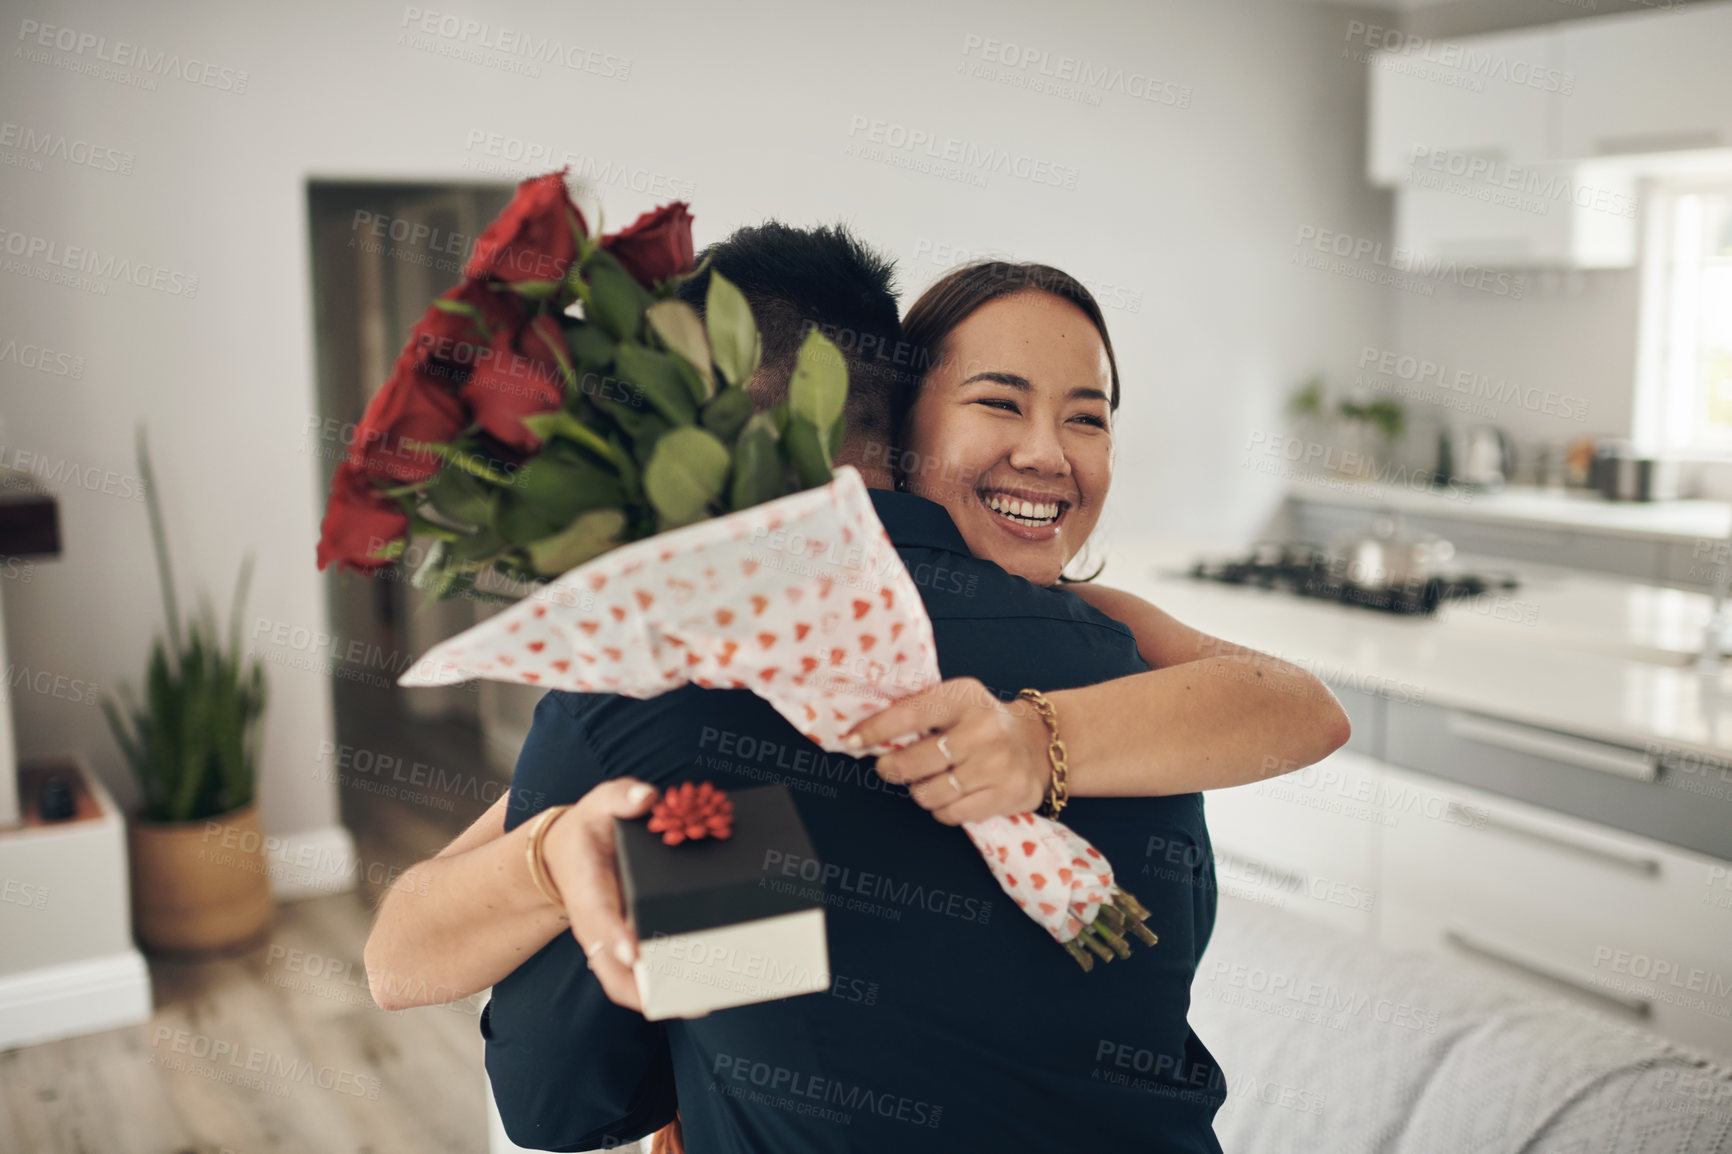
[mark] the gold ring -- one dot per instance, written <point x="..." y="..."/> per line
<point x="944" y="748"/>
<point x="954" y="784"/>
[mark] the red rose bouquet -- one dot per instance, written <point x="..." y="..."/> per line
<point x="560" y="401"/>
<point x="560" y="418"/>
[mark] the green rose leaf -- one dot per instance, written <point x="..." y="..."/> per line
<point x="616" y="301"/>
<point x="728" y="413"/>
<point x="650" y="430"/>
<point x="677" y="324"/>
<point x="806" y="451"/>
<point x="686" y="474"/>
<point x="733" y="334"/>
<point x="820" y="385"/>
<point x="464" y="309"/>
<point x="520" y="522"/>
<point x="562" y="424"/>
<point x="461" y="497"/>
<point x="537" y="290"/>
<point x="589" y="536"/>
<point x="657" y="376"/>
<point x="479" y="546"/>
<point x="757" y="464"/>
<point x="589" y="346"/>
<point x="559" y="487"/>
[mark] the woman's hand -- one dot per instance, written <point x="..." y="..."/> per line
<point x="579" y="851"/>
<point x="992" y="761"/>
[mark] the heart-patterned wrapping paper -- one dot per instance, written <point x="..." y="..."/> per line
<point x="804" y="601"/>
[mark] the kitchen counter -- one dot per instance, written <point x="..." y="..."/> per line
<point x="1575" y="652"/>
<point x="1681" y="521"/>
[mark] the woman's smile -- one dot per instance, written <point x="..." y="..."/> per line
<point x="1024" y="513"/>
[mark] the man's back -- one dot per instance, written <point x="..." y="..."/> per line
<point x="953" y="1021"/>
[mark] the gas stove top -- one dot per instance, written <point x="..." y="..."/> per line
<point x="1311" y="572"/>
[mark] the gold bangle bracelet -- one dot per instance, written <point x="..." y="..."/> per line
<point x="1057" y="790"/>
<point x="537" y="864"/>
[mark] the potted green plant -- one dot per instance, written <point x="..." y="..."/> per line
<point x="199" y="879"/>
<point x="1365" y="430"/>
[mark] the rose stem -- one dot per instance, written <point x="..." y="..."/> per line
<point x="1081" y="955"/>
<point x="1128" y="902"/>
<point x="1095" y="945"/>
<point x="1121" y="947"/>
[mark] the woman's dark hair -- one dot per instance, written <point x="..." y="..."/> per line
<point x="958" y="295"/>
<point x="961" y="292"/>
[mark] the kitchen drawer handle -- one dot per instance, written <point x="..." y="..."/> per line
<point x="1555" y="747"/>
<point x="1478" y="816"/>
<point x="1638" y="1007"/>
<point x="1285" y="879"/>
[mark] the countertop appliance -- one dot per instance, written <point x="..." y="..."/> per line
<point x="1474" y="456"/>
<point x="1621" y="474"/>
<point x="1312" y="572"/>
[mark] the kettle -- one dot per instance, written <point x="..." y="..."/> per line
<point x="1475" y="456"/>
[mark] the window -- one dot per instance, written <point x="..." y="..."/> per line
<point x="1684" y="396"/>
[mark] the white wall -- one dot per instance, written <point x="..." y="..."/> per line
<point x="1573" y="335"/>
<point x="1194" y="211"/>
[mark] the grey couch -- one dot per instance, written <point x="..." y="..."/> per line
<point x="1333" y="1044"/>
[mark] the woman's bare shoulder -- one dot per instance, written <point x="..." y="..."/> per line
<point x="1108" y="600"/>
<point x="1161" y="638"/>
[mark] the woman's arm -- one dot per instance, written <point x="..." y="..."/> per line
<point x="460" y="921"/>
<point x="1208" y="715"/>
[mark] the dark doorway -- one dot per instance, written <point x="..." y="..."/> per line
<point x="413" y="765"/>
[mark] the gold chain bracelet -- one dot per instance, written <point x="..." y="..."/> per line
<point x="1057" y="791"/>
<point x="538" y="864"/>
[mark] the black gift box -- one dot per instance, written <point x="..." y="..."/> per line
<point x="730" y="921"/>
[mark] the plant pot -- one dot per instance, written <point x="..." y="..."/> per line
<point x="199" y="886"/>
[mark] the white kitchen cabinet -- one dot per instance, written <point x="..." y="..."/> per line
<point x="1647" y="82"/>
<point x="1468" y="97"/>
<point x="1521" y="216"/>
<point x="1304" y="842"/>
<point x="1635" y="928"/>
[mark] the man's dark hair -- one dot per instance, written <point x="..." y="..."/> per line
<point x="796" y="279"/>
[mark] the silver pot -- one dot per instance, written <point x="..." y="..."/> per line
<point x="1389" y="557"/>
<point x="1619" y="475"/>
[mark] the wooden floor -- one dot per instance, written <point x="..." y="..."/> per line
<point x="278" y="1049"/>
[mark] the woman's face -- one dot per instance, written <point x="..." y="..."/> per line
<point x="1012" y="433"/>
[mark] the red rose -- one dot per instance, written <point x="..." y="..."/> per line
<point x="533" y="238"/>
<point x="516" y="377"/>
<point x="658" y="245"/>
<point x="453" y="339"/>
<point x="358" y="521"/>
<point x="416" y="404"/>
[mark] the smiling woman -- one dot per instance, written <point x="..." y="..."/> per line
<point x="1011" y="428"/>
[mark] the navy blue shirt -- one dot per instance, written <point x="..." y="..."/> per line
<point x="953" y="1021"/>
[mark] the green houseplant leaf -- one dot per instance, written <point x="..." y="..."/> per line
<point x="190" y="742"/>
